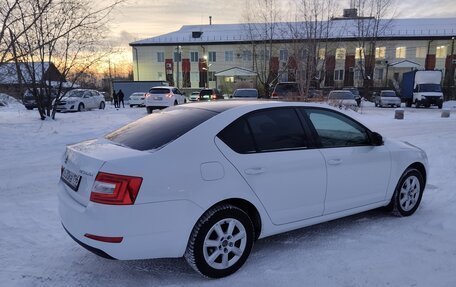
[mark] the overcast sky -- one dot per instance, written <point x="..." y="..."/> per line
<point x="139" y="19"/>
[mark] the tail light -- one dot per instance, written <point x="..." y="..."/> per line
<point x="169" y="95"/>
<point x="115" y="189"/>
<point x="147" y="95"/>
<point x="104" y="238"/>
<point x="213" y="97"/>
<point x="274" y="95"/>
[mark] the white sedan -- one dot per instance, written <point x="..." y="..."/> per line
<point x="136" y="99"/>
<point x="163" y="97"/>
<point x="255" y="169"/>
<point x="81" y="99"/>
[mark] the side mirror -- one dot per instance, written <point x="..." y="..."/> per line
<point x="377" y="139"/>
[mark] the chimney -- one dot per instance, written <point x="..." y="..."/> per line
<point x="210" y="20"/>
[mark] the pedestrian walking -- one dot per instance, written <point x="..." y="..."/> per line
<point x="121" y="96"/>
<point x="115" y="99"/>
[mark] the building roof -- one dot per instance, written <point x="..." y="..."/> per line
<point x="236" y="71"/>
<point x="8" y="72"/>
<point x="338" y="29"/>
<point x="405" y="64"/>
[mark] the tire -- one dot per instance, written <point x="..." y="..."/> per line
<point x="175" y="103"/>
<point x="80" y="107"/>
<point x="408" y="193"/>
<point x="427" y="105"/>
<point x="131" y="106"/>
<point x="102" y="106"/>
<point x="408" y="104"/>
<point x="29" y="108"/>
<point x="220" y="242"/>
<point x="149" y="110"/>
<point x="440" y="106"/>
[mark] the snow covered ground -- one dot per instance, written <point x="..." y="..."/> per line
<point x="369" y="249"/>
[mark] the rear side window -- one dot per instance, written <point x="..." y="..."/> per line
<point x="159" y="129"/>
<point x="289" y="87"/>
<point x="238" y="137"/>
<point x="277" y="129"/>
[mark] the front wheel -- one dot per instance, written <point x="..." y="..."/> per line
<point x="80" y="107"/>
<point x="102" y="106"/>
<point x="408" y="193"/>
<point x="220" y="242"/>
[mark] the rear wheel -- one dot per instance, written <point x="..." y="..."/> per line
<point x="220" y="242"/>
<point x="408" y="193"/>
<point x="131" y="106"/>
<point x="440" y="106"/>
<point x="149" y="110"/>
<point x="102" y="106"/>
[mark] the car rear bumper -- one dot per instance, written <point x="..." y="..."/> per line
<point x="152" y="230"/>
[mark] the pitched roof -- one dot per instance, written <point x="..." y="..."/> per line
<point x="8" y="72"/>
<point x="338" y="29"/>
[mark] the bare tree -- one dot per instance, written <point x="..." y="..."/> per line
<point x="69" y="34"/>
<point x="310" y="32"/>
<point x="262" y="19"/>
<point x="371" y="22"/>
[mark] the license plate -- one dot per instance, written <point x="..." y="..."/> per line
<point x="71" y="179"/>
<point x="158" y="98"/>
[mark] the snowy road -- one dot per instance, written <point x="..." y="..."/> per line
<point x="370" y="249"/>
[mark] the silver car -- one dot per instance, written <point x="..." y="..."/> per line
<point x="387" y="98"/>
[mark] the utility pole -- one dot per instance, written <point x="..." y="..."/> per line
<point x="179" y="51"/>
<point x="453" y="64"/>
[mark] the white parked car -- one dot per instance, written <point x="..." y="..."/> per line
<point x="81" y="99"/>
<point x="342" y="99"/>
<point x="163" y="97"/>
<point x="387" y="98"/>
<point x="137" y="99"/>
<point x="255" y="169"/>
<point x="194" y="97"/>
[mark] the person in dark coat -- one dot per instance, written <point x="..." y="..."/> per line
<point x="115" y="99"/>
<point x="121" y="96"/>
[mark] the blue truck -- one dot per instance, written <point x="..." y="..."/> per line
<point x="422" y="88"/>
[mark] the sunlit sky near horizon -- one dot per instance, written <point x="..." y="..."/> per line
<point x="141" y="19"/>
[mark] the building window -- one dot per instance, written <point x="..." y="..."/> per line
<point x="229" y="79"/>
<point x="340" y="53"/>
<point x="160" y="76"/>
<point x="211" y="76"/>
<point x="380" y="52"/>
<point x="283" y="55"/>
<point x="338" y="75"/>
<point x="264" y="55"/>
<point x="212" y="56"/>
<point x="358" y="75"/>
<point x="400" y="53"/>
<point x="379" y="74"/>
<point x="359" y="53"/>
<point x="194" y="57"/>
<point x="421" y="52"/>
<point x="177" y="57"/>
<point x="247" y="56"/>
<point x="194" y="76"/>
<point x="321" y="53"/>
<point x="160" y="57"/>
<point x="229" y="56"/>
<point x="441" y="52"/>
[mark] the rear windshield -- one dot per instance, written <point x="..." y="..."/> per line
<point x="205" y="92"/>
<point x="283" y="88"/>
<point x="388" y="94"/>
<point x="159" y="129"/>
<point x="156" y="91"/>
<point x="341" y="95"/>
<point x="245" y="94"/>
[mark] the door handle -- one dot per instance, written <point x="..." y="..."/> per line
<point x="334" y="161"/>
<point x="254" y="170"/>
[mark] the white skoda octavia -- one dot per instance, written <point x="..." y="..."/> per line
<point x="206" y="180"/>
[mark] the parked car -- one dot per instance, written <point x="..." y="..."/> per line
<point x="342" y="98"/>
<point x="210" y="95"/>
<point x="194" y="96"/>
<point x="387" y="98"/>
<point x="255" y="169"/>
<point x="285" y="90"/>
<point x="355" y="93"/>
<point x="162" y="97"/>
<point x="81" y="99"/>
<point x="137" y="99"/>
<point x="29" y="101"/>
<point x="245" y="94"/>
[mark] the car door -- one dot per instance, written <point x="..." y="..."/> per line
<point x="358" y="171"/>
<point x="178" y="96"/>
<point x="87" y="100"/>
<point x="272" y="152"/>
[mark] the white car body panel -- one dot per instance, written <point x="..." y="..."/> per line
<point x="91" y="100"/>
<point x="162" y="100"/>
<point x="175" y="193"/>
